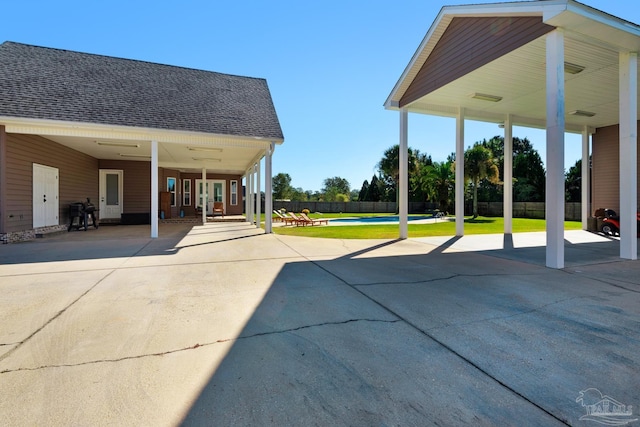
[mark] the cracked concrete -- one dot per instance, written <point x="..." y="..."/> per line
<point x="219" y="324"/>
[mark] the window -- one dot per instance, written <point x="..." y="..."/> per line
<point x="186" y="192"/>
<point x="171" y="188"/>
<point x="234" y="192"/>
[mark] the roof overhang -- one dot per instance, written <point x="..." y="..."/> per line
<point x="593" y="39"/>
<point x="184" y="151"/>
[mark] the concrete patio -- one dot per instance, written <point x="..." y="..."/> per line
<point x="219" y="324"/>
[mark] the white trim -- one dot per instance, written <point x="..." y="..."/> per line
<point x="45" y="206"/>
<point x="175" y="190"/>
<point x="91" y="130"/>
<point x="233" y="192"/>
<point x="102" y="192"/>
<point x="185" y="192"/>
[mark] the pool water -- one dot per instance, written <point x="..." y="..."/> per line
<point x="378" y="219"/>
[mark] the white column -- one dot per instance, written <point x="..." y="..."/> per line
<point x="258" y="196"/>
<point x="246" y="195"/>
<point x="268" y="189"/>
<point x="585" y="200"/>
<point x="507" y="199"/>
<point x="403" y="181"/>
<point x="459" y="184"/>
<point x="154" y="189"/>
<point x="252" y="202"/>
<point x="554" y="206"/>
<point x="628" y="81"/>
<point x="249" y="194"/>
<point x="204" y="195"/>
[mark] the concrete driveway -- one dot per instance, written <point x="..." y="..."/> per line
<point x="222" y="325"/>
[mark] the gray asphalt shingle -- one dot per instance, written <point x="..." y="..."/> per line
<point x="55" y="84"/>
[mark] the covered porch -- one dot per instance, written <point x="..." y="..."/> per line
<point x="557" y="65"/>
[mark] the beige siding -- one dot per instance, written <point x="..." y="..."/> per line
<point x="78" y="174"/>
<point x="606" y="168"/>
<point x="468" y="44"/>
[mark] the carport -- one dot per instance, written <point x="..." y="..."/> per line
<point x="557" y="65"/>
<point x="79" y="117"/>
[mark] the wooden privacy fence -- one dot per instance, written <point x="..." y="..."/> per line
<point x="572" y="211"/>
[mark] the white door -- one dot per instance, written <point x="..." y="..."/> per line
<point x="45" y="196"/>
<point x="214" y="192"/>
<point x="110" y="193"/>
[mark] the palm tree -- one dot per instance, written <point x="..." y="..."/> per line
<point x="438" y="179"/>
<point x="480" y="164"/>
<point x="389" y="166"/>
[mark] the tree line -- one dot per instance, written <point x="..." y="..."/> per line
<point x="432" y="181"/>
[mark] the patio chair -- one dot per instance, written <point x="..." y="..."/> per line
<point x="298" y="220"/>
<point x="218" y="208"/>
<point x="313" y="221"/>
<point x="278" y="216"/>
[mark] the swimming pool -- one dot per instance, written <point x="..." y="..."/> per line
<point x="376" y="219"/>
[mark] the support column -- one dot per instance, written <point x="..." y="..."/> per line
<point x="507" y="200"/>
<point x="249" y="195"/>
<point x="628" y="154"/>
<point x="459" y="184"/>
<point x="258" y="195"/>
<point x="554" y="206"/>
<point x="268" y="189"/>
<point x="246" y="195"/>
<point x="154" y="189"/>
<point x="204" y="196"/>
<point x="585" y="188"/>
<point x="403" y="181"/>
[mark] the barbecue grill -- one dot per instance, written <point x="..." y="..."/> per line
<point x="82" y="211"/>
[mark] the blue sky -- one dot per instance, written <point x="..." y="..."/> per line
<point x="330" y="65"/>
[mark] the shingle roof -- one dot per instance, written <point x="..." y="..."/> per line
<point x="55" y="84"/>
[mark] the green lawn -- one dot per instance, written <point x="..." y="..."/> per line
<point x="480" y="225"/>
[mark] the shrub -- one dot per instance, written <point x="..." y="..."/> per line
<point x="305" y="211"/>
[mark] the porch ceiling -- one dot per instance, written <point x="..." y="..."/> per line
<point x="519" y="77"/>
<point x="184" y="151"/>
<point x="220" y="158"/>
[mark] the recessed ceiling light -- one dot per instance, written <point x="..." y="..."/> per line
<point x="142" y="156"/>
<point x="119" y="144"/>
<point x="206" y="159"/>
<point x="582" y="113"/>
<point x="218" y="150"/>
<point x="486" y="97"/>
<point x="573" y="68"/>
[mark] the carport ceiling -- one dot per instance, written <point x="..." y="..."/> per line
<point x="520" y="79"/>
<point x="186" y="157"/>
<point x="593" y="40"/>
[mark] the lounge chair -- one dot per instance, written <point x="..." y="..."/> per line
<point x="297" y="220"/>
<point x="278" y="216"/>
<point x="218" y="208"/>
<point x="313" y="221"/>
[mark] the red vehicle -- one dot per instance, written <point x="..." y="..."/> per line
<point x="611" y="223"/>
